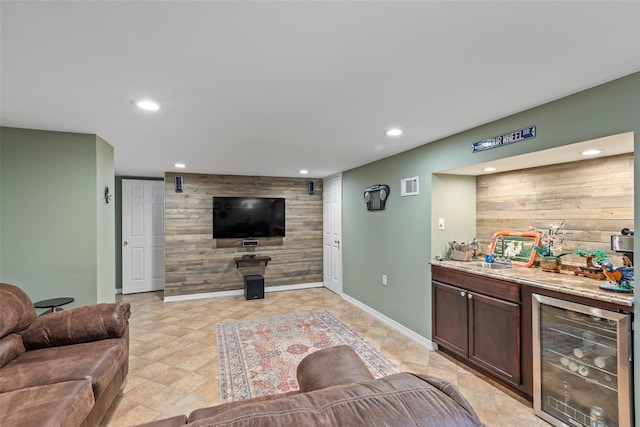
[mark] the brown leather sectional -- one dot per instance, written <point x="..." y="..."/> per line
<point x="63" y="368"/>
<point x="336" y="389"/>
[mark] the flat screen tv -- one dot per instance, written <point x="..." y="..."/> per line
<point x="248" y="217"/>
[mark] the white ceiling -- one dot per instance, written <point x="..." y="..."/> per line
<point x="268" y="88"/>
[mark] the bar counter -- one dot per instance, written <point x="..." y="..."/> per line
<point x="565" y="281"/>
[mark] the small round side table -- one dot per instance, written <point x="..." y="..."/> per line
<point x="53" y="304"/>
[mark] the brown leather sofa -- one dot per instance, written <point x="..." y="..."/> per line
<point x="63" y="368"/>
<point x="336" y="389"/>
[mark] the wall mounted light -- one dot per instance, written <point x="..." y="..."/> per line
<point x="107" y="195"/>
<point x="179" y="184"/>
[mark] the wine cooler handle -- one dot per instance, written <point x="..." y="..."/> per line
<point x="630" y="347"/>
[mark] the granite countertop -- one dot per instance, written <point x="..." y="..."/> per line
<point x="565" y="281"/>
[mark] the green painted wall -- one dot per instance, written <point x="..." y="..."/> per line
<point x="458" y="210"/>
<point x="397" y="242"/>
<point x="50" y="240"/>
<point x="390" y="242"/>
<point x="106" y="275"/>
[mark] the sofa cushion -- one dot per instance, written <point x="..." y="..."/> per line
<point x="396" y="400"/>
<point x="211" y="411"/>
<point x="97" y="361"/>
<point x="10" y="347"/>
<point x="61" y="404"/>
<point x="16" y="309"/>
<point x="81" y="324"/>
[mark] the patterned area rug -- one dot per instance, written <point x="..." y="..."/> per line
<point x="260" y="356"/>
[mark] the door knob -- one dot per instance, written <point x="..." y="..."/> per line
<point x="125" y="243"/>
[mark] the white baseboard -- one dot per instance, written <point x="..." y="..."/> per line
<point x="237" y="292"/>
<point x="118" y="291"/>
<point x="392" y="323"/>
<point x="292" y="287"/>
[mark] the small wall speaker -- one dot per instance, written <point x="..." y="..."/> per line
<point x="311" y="188"/>
<point x="178" y="184"/>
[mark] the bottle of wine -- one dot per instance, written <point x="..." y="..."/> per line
<point x="601" y="361"/>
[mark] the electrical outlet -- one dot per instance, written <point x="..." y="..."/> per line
<point x="440" y="223"/>
<point x="384" y="279"/>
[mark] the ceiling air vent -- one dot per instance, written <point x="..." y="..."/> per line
<point x="409" y="186"/>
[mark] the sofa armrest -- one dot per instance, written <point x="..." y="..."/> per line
<point x="450" y="390"/>
<point x="77" y="325"/>
<point x="331" y="366"/>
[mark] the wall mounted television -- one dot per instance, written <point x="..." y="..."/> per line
<point x="248" y="217"/>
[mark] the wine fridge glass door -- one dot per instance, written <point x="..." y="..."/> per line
<point x="581" y="364"/>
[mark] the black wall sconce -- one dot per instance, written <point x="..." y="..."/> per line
<point x="107" y="196"/>
<point x="178" y="184"/>
<point x="376" y="196"/>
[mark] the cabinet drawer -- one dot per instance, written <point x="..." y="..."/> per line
<point x="508" y="291"/>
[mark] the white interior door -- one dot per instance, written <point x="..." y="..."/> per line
<point x="332" y="232"/>
<point x="142" y="236"/>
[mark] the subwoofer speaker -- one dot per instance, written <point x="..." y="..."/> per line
<point x="254" y="287"/>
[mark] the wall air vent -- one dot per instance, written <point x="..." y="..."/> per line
<point x="409" y="186"/>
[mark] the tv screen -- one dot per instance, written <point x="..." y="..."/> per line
<point x="247" y="217"/>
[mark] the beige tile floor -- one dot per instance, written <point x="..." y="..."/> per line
<point x="174" y="363"/>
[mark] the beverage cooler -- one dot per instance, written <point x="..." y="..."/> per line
<point x="582" y="364"/>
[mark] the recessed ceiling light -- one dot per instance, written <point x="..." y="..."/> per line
<point x="180" y="165"/>
<point x="394" y="132"/>
<point x="148" y="105"/>
<point x="592" y="152"/>
<point x="490" y="169"/>
<point x="303" y="171"/>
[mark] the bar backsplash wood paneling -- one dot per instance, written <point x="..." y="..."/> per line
<point x="594" y="198"/>
<point x="197" y="263"/>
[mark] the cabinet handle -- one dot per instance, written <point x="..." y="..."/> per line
<point x="469" y="296"/>
<point x="462" y="293"/>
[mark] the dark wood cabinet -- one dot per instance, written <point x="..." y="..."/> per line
<point x="486" y="323"/>
<point x="494" y="335"/>
<point x="450" y="325"/>
<point x="478" y="320"/>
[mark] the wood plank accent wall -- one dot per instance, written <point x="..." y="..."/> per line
<point x="197" y="263"/>
<point x="594" y="197"/>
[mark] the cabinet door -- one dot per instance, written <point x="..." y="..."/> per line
<point x="494" y="338"/>
<point x="451" y="318"/>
